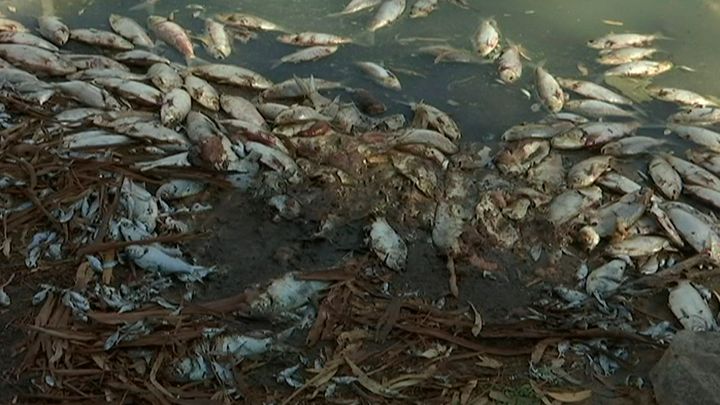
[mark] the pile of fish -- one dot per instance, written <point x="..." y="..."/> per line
<point x="596" y="168"/>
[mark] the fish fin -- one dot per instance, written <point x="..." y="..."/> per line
<point x="365" y="38"/>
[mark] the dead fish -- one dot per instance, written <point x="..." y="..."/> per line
<point x="308" y="54"/>
<point x="597" y="109"/>
<point x="52" y="29"/>
<point x="357" y="5"/>
<point x="486" y="37"/>
<point x="88" y="94"/>
<point x="641" y="68"/>
<point x="164" y="77"/>
<point x="638" y="246"/>
<point x="271" y="110"/>
<point x="9" y="25"/>
<point x="202" y="92"/>
<point x="665" y="177"/>
<point x="568" y="205"/>
<point x="139" y="57"/>
<point x="132" y="90"/>
<point x="232" y="75"/>
<point x="535" y="131"/>
<point x="690" y="308"/>
<point x="92" y="74"/>
<point x="24" y="38"/>
<point x="173" y="35"/>
<point x="367" y="102"/>
<point x="153" y="131"/>
<point x="95" y="139"/>
<point x="216" y="40"/>
<point x="313" y="39"/>
<point x="697" y="116"/>
<point x="633" y="145"/>
<point x="389" y="247"/>
<point x="107" y="39"/>
<point x="707" y="195"/>
<point x="249" y="21"/>
<point x="624" y="55"/>
<point x="549" y="91"/>
<point x="509" y="64"/>
<point x="387" y="13"/>
<point x="585" y="172"/>
<point x="241" y="109"/>
<point x="380" y="75"/>
<point x="618" y="183"/>
<point x="299" y="113"/>
<point x="273" y="158"/>
<point x="709" y="161"/>
<point x="425" y="137"/>
<point x="446" y="53"/>
<point x="429" y="116"/>
<point x="693" y="226"/>
<point x="594" y="91"/>
<point x="423" y="8"/>
<point x="426" y="152"/>
<point x="36" y="60"/>
<point x="176" y="105"/>
<point x="701" y="136"/>
<point x="680" y="96"/>
<point x="520" y="156"/>
<point x="606" y="279"/>
<point x="130" y="29"/>
<point x="419" y="171"/>
<point x="81" y="61"/>
<point x="617" y="41"/>
<point x="549" y="174"/>
<point x="692" y="173"/>
<point x="151" y="258"/>
<point x="180" y="188"/>
<point x="291" y="88"/>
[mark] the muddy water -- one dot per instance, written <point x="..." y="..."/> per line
<point x="553" y="31"/>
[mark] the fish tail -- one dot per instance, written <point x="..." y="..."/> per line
<point x="365" y="38"/>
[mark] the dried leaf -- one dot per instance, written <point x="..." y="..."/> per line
<point x="540" y="349"/>
<point x="498" y="396"/>
<point x="452" y="281"/>
<point x="83" y="275"/>
<point x="488" y="362"/>
<point x="478" y="324"/>
<point x="466" y="392"/>
<point x="570" y="397"/>
<point x="370" y="384"/>
<point x="6" y="247"/>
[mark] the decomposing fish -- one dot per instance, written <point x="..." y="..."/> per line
<point x="690" y="308"/>
<point x="81" y="61"/>
<point x="130" y="29"/>
<point x="701" y="136"/>
<point x="605" y="279"/>
<point x="593" y="134"/>
<point x="308" y="54"/>
<point x="173" y="35"/>
<point x="585" y="172"/>
<point x="380" y="75"/>
<point x="355" y="6"/>
<point x="597" y="109"/>
<point x="24" y="38"/>
<point x="595" y="91"/>
<point x="429" y="116"/>
<point x="423" y="8"/>
<point x="549" y="173"/>
<point x="7" y="24"/>
<point x="132" y="90"/>
<point x="151" y="258"/>
<point x="388" y="245"/>
<point x="486" y="38"/>
<point x="549" y="90"/>
<point x="217" y="42"/>
<point x="632" y="145"/>
<point x="248" y="21"/>
<point x="520" y="156"/>
<point x="94" y="139"/>
<point x="232" y="75"/>
<point x="176" y="105"/>
<point x="697" y="116"/>
<point x="139" y="57"/>
<point x="240" y="108"/>
<point x="88" y="94"/>
<point x="52" y="29"/>
<point x="107" y="39"/>
<point x="417" y="170"/>
<point x="446" y="53"/>
<point x="636" y="246"/>
<point x="313" y="39"/>
<point x="709" y="161"/>
<point x="36" y="60"/>
<point x="509" y="63"/>
<point x="536" y="131"/>
<point x="641" y="68"/>
<point x="180" y="188"/>
<point x="202" y="92"/>
<point x="665" y="177"/>
<point x="692" y="173"/>
<point x="617" y="41"/>
<point x="694" y="227"/>
<point x="618" y="183"/>
<point x="387" y="13"/>
<point x="707" y="195"/>
<point x="680" y="96"/>
<point x="164" y="77"/>
<point x="624" y="55"/>
<point x="568" y="205"/>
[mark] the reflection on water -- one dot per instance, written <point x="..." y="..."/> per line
<point x="553" y="31"/>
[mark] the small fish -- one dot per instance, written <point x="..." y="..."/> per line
<point x="707" y="195"/>
<point x="549" y="90"/>
<point x="151" y="258"/>
<point x="380" y="75"/>
<point x="597" y="109"/>
<point x="607" y="278"/>
<point x="446" y="53"/>
<point x="292" y="88"/>
<point x="139" y="57"/>
<point x="624" y="55"/>
<point x="299" y="114"/>
<point x="633" y="145"/>
<point x="95" y="139"/>
<point x="52" y="29"/>
<point x="241" y="109"/>
<point x="617" y="41"/>
<point x="176" y="105"/>
<point x="641" y="68"/>
<point x="217" y="41"/>
<point x="535" y="131"/>
<point x="387" y="13"/>
<point x="202" y="92"/>
<point x="81" y="61"/>
<point x="130" y="29"/>
<point x="690" y="308"/>
<point x="709" y="161"/>
<point x="486" y="37"/>
<point x="164" y="77"/>
<point x="425" y="137"/>
<point x="24" y="38"/>
<point x="248" y="21"/>
<point x="132" y="90"/>
<point x="595" y="91"/>
<point x="92" y="36"/>
<point x="568" y="205"/>
<point x="637" y="246"/>
<point x="680" y="96"/>
<point x="509" y="64"/>
<point x="429" y="116"/>
<point x="88" y="94"/>
<point x="618" y="183"/>
<point x="695" y="227"/>
<point x="665" y="177"/>
<point x="423" y="8"/>
<point x="697" y="116"/>
<point x="233" y="75"/>
<point x="701" y="136"/>
<point x="173" y="35"/>
<point x="308" y="54"/>
<point x="36" y="60"/>
<point x="585" y="172"/>
<point x="692" y="173"/>
<point x="519" y="157"/>
<point x="313" y="39"/>
<point x="389" y="247"/>
<point x="357" y="5"/>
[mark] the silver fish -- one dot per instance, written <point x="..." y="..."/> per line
<point x="665" y="177"/>
<point x="232" y="75"/>
<point x="693" y="173"/>
<point x="202" y="92"/>
<point x="486" y="37"/>
<point x="92" y="36"/>
<point x="7" y="24"/>
<point x="389" y="247"/>
<point x="36" y="60"/>
<point x="164" y="77"/>
<point x="617" y="41"/>
<point x="88" y="94"/>
<point x="132" y="90"/>
<point x="536" y="131"/>
<point x="292" y="89"/>
<point x="387" y="13"/>
<point x="92" y="74"/>
<point x="52" y="29"/>
<point x="81" y="61"/>
<point x="637" y="246"/>
<point x="549" y="91"/>
<point x="358" y="5"/>
<point x="605" y="279"/>
<point x="595" y="91"/>
<point x="313" y="39"/>
<point x="633" y="145"/>
<point x="597" y="109"/>
<point x="380" y="75"/>
<point x="520" y="156"/>
<point x="571" y="203"/>
<point x="690" y="308"/>
<point x="709" y="161"/>
<point x="624" y="55"/>
<point x="680" y="96"/>
<point x="217" y="41"/>
<point x="701" y="136"/>
<point x="240" y="108"/>
<point x="173" y="35"/>
<point x="697" y="116"/>
<point x="423" y="8"/>
<point x="248" y="21"/>
<point x="585" y="172"/>
<point x="618" y="183"/>
<point x="641" y="68"/>
<point x="24" y="38"/>
<point x="308" y="54"/>
<point x="425" y="137"/>
<point x="509" y="64"/>
<point x="176" y="105"/>
<point x="707" y="195"/>
<point x="427" y="115"/>
<point x="139" y="57"/>
<point x="130" y="29"/>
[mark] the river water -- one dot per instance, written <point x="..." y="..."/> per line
<point x="554" y="32"/>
